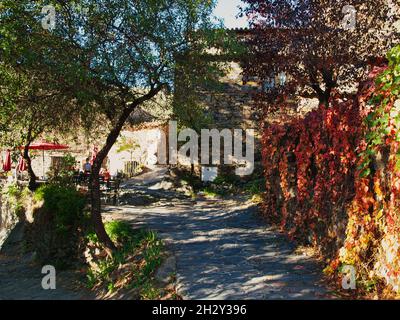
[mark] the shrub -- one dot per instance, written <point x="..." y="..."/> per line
<point x="139" y="254"/>
<point x="65" y="203"/>
<point x="15" y="196"/>
<point x="55" y="234"/>
<point x="255" y="187"/>
<point x="119" y="231"/>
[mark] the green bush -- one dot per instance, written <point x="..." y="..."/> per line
<point x="211" y="192"/>
<point x="118" y="231"/>
<point x="64" y="203"/>
<point x="12" y="190"/>
<point x="228" y="179"/>
<point x="256" y="186"/>
<point x="55" y="235"/>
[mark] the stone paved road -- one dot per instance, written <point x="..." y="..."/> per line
<point x="20" y="279"/>
<point x="224" y="251"/>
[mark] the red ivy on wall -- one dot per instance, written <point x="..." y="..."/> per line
<point x="333" y="181"/>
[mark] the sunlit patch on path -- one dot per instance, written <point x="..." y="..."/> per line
<point x="224" y="251"/>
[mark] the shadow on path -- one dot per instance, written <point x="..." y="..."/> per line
<point x="21" y="278"/>
<point x="224" y="251"/>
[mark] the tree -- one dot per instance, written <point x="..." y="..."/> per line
<point x="30" y="102"/>
<point x="198" y="75"/>
<point x="320" y="46"/>
<point x="29" y="110"/>
<point x="118" y="55"/>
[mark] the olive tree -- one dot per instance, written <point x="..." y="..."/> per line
<point x="117" y="56"/>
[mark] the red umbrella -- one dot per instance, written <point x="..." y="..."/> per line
<point x="21" y="164"/>
<point x="7" y="162"/>
<point x="94" y="155"/>
<point x="46" y="146"/>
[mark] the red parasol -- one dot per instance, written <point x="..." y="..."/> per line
<point x="7" y="162"/>
<point x="46" y="146"/>
<point x="21" y="164"/>
<point x="94" y="155"/>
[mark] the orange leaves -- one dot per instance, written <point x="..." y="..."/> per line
<point x="314" y="158"/>
<point x="331" y="169"/>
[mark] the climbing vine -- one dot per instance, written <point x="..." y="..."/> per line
<point x="333" y="178"/>
<point x="308" y="166"/>
<point x="372" y="243"/>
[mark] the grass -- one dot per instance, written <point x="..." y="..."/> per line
<point x="209" y="192"/>
<point x="133" y="266"/>
<point x="228" y="184"/>
<point x="255" y="187"/>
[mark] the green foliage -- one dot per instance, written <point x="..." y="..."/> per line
<point x="255" y="187"/>
<point x="390" y="78"/>
<point x="119" y="231"/>
<point x="191" y="179"/>
<point x="371" y="240"/>
<point x="228" y="184"/>
<point x="98" y="65"/>
<point x="147" y="38"/>
<point x="226" y="179"/>
<point x="149" y="292"/>
<point x="394" y="59"/>
<point x="63" y="173"/>
<point x="385" y="117"/>
<point x="12" y="190"/>
<point x="211" y="192"/>
<point x="64" y="203"/>
<point x="130" y="244"/>
<point x="15" y="196"/>
<point x="31" y="101"/>
<point x="199" y="73"/>
<point x="92" y="278"/>
<point x="127" y="144"/>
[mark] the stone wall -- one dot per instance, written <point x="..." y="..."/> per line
<point x="8" y="217"/>
<point x="233" y="106"/>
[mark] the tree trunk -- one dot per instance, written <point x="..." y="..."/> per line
<point x="323" y="95"/>
<point x="95" y="194"/>
<point x="324" y="100"/>
<point x="326" y="96"/>
<point x="95" y="201"/>
<point x="32" y="177"/>
<point x="94" y="182"/>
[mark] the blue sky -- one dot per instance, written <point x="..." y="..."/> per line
<point x="227" y="10"/>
